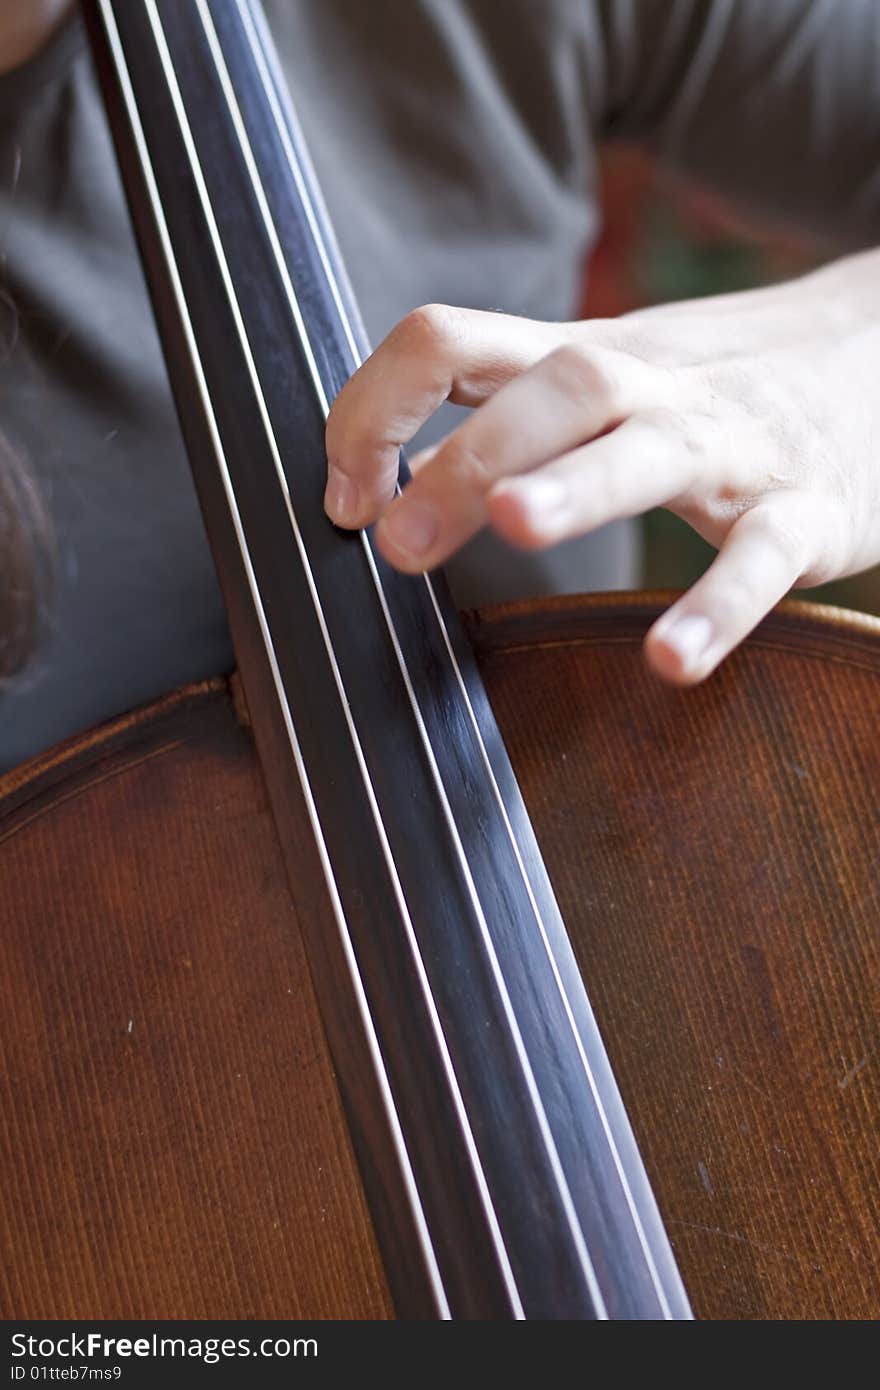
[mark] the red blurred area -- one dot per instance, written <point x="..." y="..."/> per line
<point x="662" y="240"/>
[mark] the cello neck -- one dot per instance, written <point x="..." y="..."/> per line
<point x="501" y="1170"/>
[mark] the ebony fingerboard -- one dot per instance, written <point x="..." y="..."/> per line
<point x="502" y="1174"/>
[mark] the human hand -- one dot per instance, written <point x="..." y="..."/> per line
<point x="755" y="417"/>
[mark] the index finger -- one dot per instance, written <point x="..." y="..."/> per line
<point x="436" y="353"/>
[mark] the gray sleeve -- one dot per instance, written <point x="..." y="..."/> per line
<point x="774" y="103"/>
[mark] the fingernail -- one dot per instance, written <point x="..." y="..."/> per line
<point x="411" y="528"/>
<point x="341" y="498"/>
<point x="689" y="638"/>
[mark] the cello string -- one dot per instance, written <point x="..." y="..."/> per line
<point x="167" y="62"/>
<point x="253" y="27"/>
<point x="257" y="45"/>
<point x="568" y="1205"/>
<point x="395" y="1127"/>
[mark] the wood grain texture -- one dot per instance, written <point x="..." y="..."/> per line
<point x="716" y="855"/>
<point x="171" y="1138"/>
<point x="172" y="1142"/>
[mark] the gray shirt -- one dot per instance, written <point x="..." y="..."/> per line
<point x="455" y="141"/>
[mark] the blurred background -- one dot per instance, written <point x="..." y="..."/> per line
<point x="661" y="242"/>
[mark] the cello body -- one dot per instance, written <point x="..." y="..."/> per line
<point x="174" y="1138"/>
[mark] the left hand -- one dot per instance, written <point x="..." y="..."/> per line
<point x="755" y="417"/>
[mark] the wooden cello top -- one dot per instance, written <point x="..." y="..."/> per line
<point x="715" y="854"/>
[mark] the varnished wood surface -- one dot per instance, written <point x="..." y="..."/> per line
<point x="716" y="854"/>
<point x="172" y="1142"/>
<point x="171" y="1139"/>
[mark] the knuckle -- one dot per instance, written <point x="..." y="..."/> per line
<point x="733" y="380"/>
<point x="644" y="342"/>
<point x="582" y="367"/>
<point x="430" y="329"/>
<point x="785" y="536"/>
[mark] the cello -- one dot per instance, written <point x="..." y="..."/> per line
<point x="293" y="1027"/>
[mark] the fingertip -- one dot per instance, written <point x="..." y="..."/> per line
<point x="509" y="517"/>
<point x="407" y="536"/>
<point x="678" y="648"/>
<point x="398" y="559"/>
<point x="665" y="662"/>
<point x="352" y="503"/>
<point x="527" y="514"/>
<point x="342" y="499"/>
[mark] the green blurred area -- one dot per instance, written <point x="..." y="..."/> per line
<point x="673" y="261"/>
<point x="674" y="556"/>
